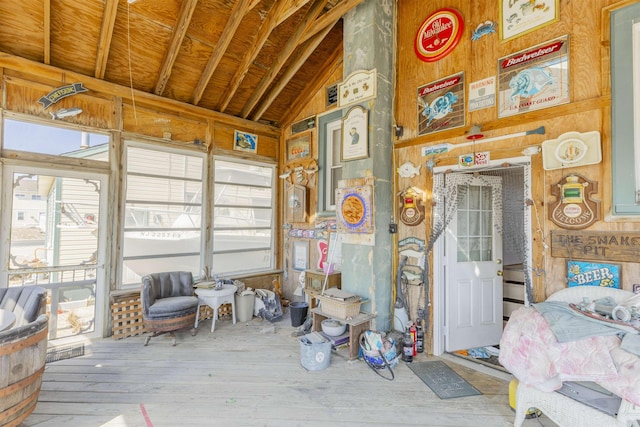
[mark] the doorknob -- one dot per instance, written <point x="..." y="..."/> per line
<point x="499" y="273"/>
<point x="498" y="261"/>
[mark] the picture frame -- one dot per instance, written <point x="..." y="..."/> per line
<point x="300" y="255"/>
<point x="244" y="141"/>
<point x="355" y="134"/>
<point x="546" y="64"/>
<point x="517" y="19"/>
<point x="299" y="147"/>
<point x="296" y="203"/>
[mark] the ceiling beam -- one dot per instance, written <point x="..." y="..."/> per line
<point x="330" y="17"/>
<point x="106" y="34"/>
<point x="293" y="42"/>
<point x="264" y="31"/>
<point x="239" y="11"/>
<point x="295" y="5"/>
<point x="47" y="32"/>
<point x="179" y="32"/>
<point x="292" y="69"/>
<point x="333" y="62"/>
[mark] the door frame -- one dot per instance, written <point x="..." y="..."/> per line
<point x="438" y="271"/>
<point x="6" y="195"/>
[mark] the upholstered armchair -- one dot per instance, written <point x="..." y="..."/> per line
<point x="168" y="303"/>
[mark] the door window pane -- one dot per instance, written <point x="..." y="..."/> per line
<point x="475" y="224"/>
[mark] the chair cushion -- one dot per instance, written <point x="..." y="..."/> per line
<point x="172" y="307"/>
<point x="26" y="302"/>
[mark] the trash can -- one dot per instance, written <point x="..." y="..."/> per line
<point x="244" y="306"/>
<point x="298" y="312"/>
<point x="315" y="352"/>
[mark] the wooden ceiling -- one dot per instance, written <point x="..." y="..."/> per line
<point x="255" y="59"/>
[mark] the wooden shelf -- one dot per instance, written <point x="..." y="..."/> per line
<point x="357" y="326"/>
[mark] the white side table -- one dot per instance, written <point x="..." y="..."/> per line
<point x="214" y="298"/>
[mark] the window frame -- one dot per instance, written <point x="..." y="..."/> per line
<point x="129" y="143"/>
<point x="326" y="124"/>
<point x="625" y="137"/>
<point x="273" y="207"/>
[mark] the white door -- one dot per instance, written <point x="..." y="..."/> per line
<point x="473" y="250"/>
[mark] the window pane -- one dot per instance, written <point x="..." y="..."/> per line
<point x="487" y="193"/>
<point x="463" y="223"/>
<point x="464" y="201"/>
<point x="243" y="226"/>
<point x="163" y="163"/>
<point x="227" y="263"/>
<point x="487" y="249"/>
<point x="163" y="220"/>
<point x="241" y="173"/>
<point x="60" y="228"/>
<point x="53" y="140"/>
<point x="235" y="217"/>
<point x="474" y="197"/>
<point x="463" y="249"/>
<point x="475" y="249"/>
<point x="230" y="194"/>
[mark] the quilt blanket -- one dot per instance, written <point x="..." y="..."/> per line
<point x="531" y="352"/>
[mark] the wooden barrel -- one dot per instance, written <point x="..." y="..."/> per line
<point x="23" y="353"/>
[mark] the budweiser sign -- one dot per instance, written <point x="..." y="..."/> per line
<point x="439" y="34"/>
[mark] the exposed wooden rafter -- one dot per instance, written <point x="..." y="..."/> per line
<point x="106" y="34"/>
<point x="331" y="16"/>
<point x="47" y="31"/>
<point x="293" y="42"/>
<point x="271" y="22"/>
<point x="238" y="12"/>
<point x="179" y="32"/>
<point x="324" y="73"/>
<point x="292" y="69"/>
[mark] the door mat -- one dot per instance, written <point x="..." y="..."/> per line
<point x="442" y="380"/>
<point x="60" y="353"/>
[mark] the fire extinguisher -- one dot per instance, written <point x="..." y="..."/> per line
<point x="414" y="336"/>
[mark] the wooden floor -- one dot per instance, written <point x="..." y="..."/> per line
<point x="249" y="374"/>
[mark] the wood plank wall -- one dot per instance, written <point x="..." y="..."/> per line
<point x="586" y="23"/>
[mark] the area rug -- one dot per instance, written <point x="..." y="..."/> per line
<point x="442" y="380"/>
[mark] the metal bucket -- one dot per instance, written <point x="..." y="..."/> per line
<point x="315" y="352"/>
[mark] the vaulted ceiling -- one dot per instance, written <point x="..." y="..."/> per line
<point x="255" y="59"/>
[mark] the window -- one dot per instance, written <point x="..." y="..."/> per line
<point x="163" y="212"/>
<point x="329" y="143"/>
<point x="243" y="216"/>
<point x="20" y="216"/>
<point x="54" y="140"/>
<point x="625" y="111"/>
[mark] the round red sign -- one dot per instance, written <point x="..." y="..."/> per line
<point x="439" y="34"/>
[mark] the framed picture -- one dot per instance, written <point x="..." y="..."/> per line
<point x="355" y="137"/>
<point x="244" y="141"/>
<point x="534" y="78"/>
<point x="299" y="147"/>
<point x="296" y="203"/>
<point x="582" y="273"/>
<point x="300" y="255"/>
<point x="518" y="18"/>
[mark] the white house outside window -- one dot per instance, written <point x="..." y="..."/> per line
<point x="163" y="212"/>
<point x="243" y="216"/>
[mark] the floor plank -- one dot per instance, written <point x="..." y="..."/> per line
<point x="249" y="374"/>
